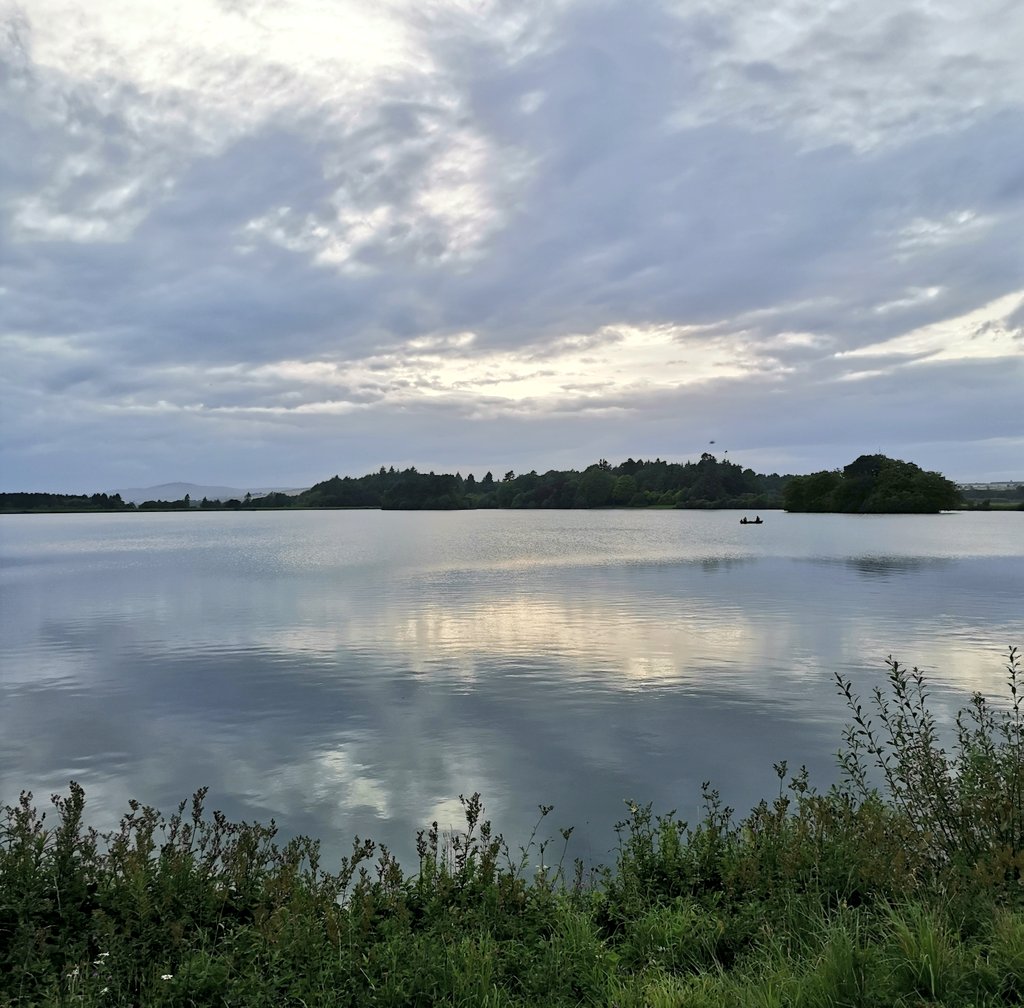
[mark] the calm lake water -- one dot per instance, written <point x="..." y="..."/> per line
<point x="355" y="671"/>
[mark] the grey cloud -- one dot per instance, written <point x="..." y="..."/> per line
<point x="614" y="210"/>
<point x="704" y="223"/>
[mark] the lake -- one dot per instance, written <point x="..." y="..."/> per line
<point x="353" y="672"/>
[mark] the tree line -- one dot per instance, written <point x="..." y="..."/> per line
<point x="991" y="499"/>
<point x="870" y="484"/>
<point x="708" y="483"/>
<point x="27" y="502"/>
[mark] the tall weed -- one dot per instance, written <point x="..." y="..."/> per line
<point x="965" y="808"/>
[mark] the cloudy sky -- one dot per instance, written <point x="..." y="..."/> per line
<point x="260" y="243"/>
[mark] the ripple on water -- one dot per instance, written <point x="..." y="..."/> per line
<point x="353" y="672"/>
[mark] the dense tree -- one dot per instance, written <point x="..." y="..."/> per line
<point x="624" y="490"/>
<point x="166" y="505"/>
<point x="873" y="484"/>
<point x="596" y="487"/>
<point x="276" y="500"/>
<point x="816" y="492"/>
<point x="23" y="502"/>
<point x="414" y="491"/>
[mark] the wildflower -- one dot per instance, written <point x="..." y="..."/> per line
<point x="167" y="976"/>
<point x="73" y="975"/>
<point x="106" y="990"/>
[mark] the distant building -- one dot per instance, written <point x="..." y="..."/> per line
<point x="1006" y="485"/>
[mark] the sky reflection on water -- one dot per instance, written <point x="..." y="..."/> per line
<point x="355" y="672"/>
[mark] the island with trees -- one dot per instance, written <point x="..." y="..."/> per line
<point x="873" y="484"/>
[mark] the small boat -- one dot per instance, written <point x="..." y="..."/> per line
<point x="747" y="521"/>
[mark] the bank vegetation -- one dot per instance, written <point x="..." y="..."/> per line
<point x="902" y="886"/>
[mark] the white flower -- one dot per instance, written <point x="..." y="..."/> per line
<point x="167" y="976"/>
<point x="106" y="990"/>
<point x="73" y="975"/>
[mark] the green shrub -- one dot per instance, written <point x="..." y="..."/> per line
<point x="966" y="810"/>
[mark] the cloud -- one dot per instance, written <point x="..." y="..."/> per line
<point x="859" y="75"/>
<point x="260" y="220"/>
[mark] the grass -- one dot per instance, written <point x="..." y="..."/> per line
<point x="902" y="886"/>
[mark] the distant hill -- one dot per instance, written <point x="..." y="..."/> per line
<point x="176" y="491"/>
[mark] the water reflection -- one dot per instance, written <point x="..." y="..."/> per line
<point x="359" y="682"/>
<point x="887" y="566"/>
